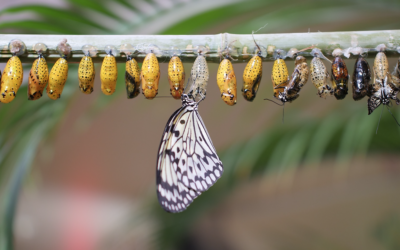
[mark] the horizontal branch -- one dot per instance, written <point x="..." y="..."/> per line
<point x="244" y="44"/>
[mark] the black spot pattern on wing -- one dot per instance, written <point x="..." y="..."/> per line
<point x="186" y="166"/>
<point x="373" y="103"/>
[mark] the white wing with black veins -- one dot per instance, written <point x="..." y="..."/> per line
<point x="187" y="162"/>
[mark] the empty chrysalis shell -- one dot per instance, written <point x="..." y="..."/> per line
<point x="319" y="74"/>
<point x="199" y="75"/>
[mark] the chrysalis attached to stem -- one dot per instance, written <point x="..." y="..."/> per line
<point x="339" y="75"/>
<point x="199" y="75"/>
<point x="59" y="72"/>
<point x="86" y="70"/>
<point x="132" y="72"/>
<point x="39" y="74"/>
<point x="299" y="78"/>
<point x="176" y="74"/>
<point x="109" y="71"/>
<point x="252" y="75"/>
<point x="13" y="73"/>
<point x="150" y="74"/>
<point x="226" y="79"/>
<point x="280" y="74"/>
<point x="380" y="90"/>
<point x="361" y="78"/>
<point x="319" y="74"/>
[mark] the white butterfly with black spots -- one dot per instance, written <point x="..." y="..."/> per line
<point x="187" y="162"/>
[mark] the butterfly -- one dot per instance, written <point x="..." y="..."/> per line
<point x="187" y="162"/>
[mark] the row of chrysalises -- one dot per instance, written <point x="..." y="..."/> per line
<point x="384" y="87"/>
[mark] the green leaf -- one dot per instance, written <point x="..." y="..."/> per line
<point x="64" y="18"/>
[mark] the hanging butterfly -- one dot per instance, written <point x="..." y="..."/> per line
<point x="187" y="162"/>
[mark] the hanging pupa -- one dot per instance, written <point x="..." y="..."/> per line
<point x="132" y="72"/>
<point x="199" y="75"/>
<point x="176" y="74"/>
<point x="109" y="71"/>
<point x="39" y="74"/>
<point x="319" y="74"/>
<point x="339" y="75"/>
<point x="59" y="72"/>
<point x="150" y="74"/>
<point x="252" y="75"/>
<point x="226" y="78"/>
<point x="13" y="73"/>
<point x="86" y="70"/>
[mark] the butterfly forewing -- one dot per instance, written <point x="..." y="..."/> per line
<point x="187" y="163"/>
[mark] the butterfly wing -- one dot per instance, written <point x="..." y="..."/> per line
<point x="373" y="103"/>
<point x="187" y="162"/>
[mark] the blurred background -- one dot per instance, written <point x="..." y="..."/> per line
<point x="79" y="172"/>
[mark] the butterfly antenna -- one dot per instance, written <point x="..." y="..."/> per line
<point x="393" y="116"/>
<point x="283" y="113"/>
<point x="379" y="121"/>
<point x="280" y="104"/>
